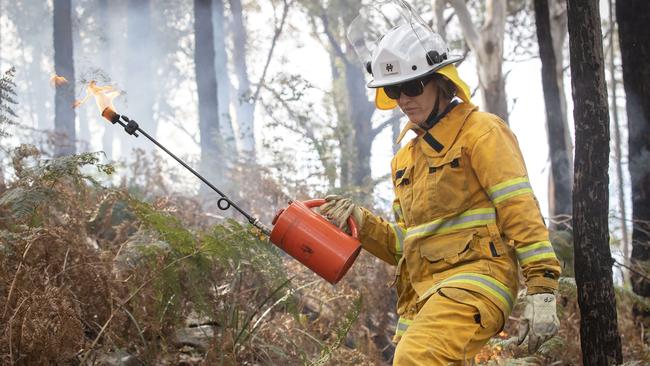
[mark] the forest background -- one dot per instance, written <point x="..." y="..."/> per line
<point x="123" y="255"/>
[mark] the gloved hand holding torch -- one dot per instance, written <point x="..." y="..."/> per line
<point x="337" y="209"/>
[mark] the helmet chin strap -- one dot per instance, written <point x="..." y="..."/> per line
<point x="434" y="116"/>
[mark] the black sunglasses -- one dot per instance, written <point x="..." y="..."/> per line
<point x="411" y="88"/>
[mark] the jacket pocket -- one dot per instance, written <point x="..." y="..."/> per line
<point x="405" y="294"/>
<point x="447" y="183"/>
<point x="485" y="313"/>
<point x="403" y="182"/>
<point x="450" y="250"/>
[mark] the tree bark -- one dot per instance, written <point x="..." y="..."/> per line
<point x="360" y="113"/>
<point x="617" y="140"/>
<point x="560" y="152"/>
<point x="206" y="82"/>
<point x="599" y="337"/>
<point x="635" y="52"/>
<point x="64" y="114"/>
<point x="558" y="20"/>
<point x="245" y="109"/>
<point x="139" y="58"/>
<point x="354" y="111"/>
<point x="438" y="7"/>
<point x="488" y="47"/>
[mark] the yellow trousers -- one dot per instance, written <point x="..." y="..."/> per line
<point x="449" y="329"/>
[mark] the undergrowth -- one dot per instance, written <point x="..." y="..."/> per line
<point x="90" y="271"/>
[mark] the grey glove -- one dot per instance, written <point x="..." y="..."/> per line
<point x="540" y="321"/>
<point x="337" y="209"/>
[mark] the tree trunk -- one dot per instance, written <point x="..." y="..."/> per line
<point x="343" y="128"/>
<point x="558" y="21"/>
<point x="560" y="152"/>
<point x="354" y="123"/>
<point x="64" y="114"/>
<point x="139" y="83"/>
<point x="360" y="113"/>
<point x="634" y="41"/>
<point x="438" y="7"/>
<point x="223" y="78"/>
<point x="617" y="140"/>
<point x="245" y="109"/>
<point x="354" y="130"/>
<point x="37" y="78"/>
<point x="599" y="337"/>
<point x="206" y="81"/>
<point x="488" y="47"/>
<point x="29" y="19"/>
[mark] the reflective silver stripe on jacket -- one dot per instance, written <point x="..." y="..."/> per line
<point x="535" y="252"/>
<point x="469" y="218"/>
<point x="509" y="189"/>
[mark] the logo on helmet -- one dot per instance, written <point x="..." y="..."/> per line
<point x="390" y="68"/>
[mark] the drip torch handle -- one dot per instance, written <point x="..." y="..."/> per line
<point x="132" y="126"/>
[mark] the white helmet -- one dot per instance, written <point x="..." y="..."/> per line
<point x="396" y="45"/>
<point x="408" y="52"/>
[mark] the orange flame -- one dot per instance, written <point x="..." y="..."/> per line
<point x="104" y="96"/>
<point x="57" y="80"/>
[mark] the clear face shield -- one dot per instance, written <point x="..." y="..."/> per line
<point x="377" y="18"/>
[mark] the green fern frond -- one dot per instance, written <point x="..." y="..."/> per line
<point x="231" y="246"/>
<point x="553" y="346"/>
<point x="70" y="167"/>
<point x="233" y="243"/>
<point x="37" y="185"/>
<point x="169" y="228"/>
<point x="7" y="242"/>
<point x="7" y="101"/>
<point x="50" y="171"/>
<point x="24" y="202"/>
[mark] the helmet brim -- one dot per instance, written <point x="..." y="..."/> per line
<point x="383" y="102"/>
<point x="374" y="84"/>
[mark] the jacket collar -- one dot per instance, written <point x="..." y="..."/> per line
<point x="439" y="138"/>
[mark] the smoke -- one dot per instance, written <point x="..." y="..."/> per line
<point x="143" y="48"/>
<point x="26" y="43"/>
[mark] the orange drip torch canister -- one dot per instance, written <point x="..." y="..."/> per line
<point x="314" y="241"/>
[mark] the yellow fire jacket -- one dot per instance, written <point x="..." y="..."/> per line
<point x="465" y="216"/>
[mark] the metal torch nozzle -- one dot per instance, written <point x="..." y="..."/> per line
<point x="110" y="115"/>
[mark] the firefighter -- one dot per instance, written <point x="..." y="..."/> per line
<point x="465" y="217"/>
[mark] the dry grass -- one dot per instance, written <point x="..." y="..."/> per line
<point x="89" y="271"/>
